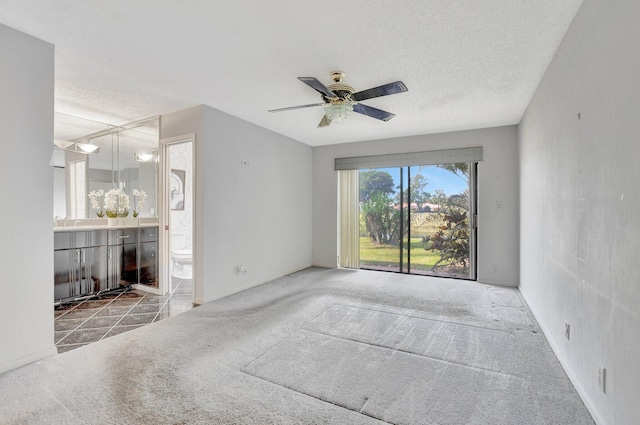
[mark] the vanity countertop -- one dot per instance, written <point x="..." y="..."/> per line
<point x="94" y="224"/>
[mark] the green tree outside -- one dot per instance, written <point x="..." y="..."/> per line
<point x="372" y="181"/>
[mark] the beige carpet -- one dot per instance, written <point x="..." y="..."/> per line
<point x="317" y="347"/>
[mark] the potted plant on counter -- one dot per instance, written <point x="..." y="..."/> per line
<point x="116" y="203"/>
<point x="95" y="197"/>
<point x="139" y="197"/>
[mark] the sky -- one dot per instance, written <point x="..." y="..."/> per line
<point x="437" y="178"/>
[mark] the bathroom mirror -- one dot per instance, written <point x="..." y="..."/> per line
<point x="138" y="165"/>
<point x="125" y="158"/>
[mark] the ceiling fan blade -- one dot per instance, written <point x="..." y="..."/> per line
<point x="373" y="112"/>
<point x="317" y="86"/>
<point x="384" y="90"/>
<point x="324" y="122"/>
<point x="297" y="107"/>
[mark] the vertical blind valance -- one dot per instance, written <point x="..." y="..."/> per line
<point x="444" y="156"/>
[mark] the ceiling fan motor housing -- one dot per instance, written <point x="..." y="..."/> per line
<point x="343" y="91"/>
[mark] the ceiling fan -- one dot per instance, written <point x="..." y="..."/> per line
<point x="339" y="99"/>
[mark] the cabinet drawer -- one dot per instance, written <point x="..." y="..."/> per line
<point x="63" y="240"/>
<point x="90" y="238"/>
<point x="148" y="234"/>
<point x="123" y="237"/>
<point x="79" y="239"/>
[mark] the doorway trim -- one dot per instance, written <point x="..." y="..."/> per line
<point x="164" y="176"/>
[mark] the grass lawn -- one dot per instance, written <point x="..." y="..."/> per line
<point x="389" y="255"/>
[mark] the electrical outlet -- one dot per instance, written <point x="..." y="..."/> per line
<point x="498" y="205"/>
<point x="494" y="268"/>
<point x="602" y="379"/>
<point x="567" y="330"/>
<point x="241" y="270"/>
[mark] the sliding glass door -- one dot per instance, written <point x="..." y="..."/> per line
<point x="419" y="219"/>
<point x="379" y="219"/>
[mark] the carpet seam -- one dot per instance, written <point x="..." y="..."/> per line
<point x="417" y="355"/>
<point x="316" y="398"/>
<point x="423" y="318"/>
<point x="285" y="338"/>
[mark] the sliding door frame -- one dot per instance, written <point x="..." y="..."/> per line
<point x="473" y="220"/>
<point x="405" y="221"/>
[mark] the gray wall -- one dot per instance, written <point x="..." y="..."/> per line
<point x="580" y="203"/>
<point x="497" y="181"/>
<point x="252" y="201"/>
<point x="26" y="120"/>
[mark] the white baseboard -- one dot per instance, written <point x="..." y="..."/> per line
<point x="29" y="358"/>
<point x="565" y="365"/>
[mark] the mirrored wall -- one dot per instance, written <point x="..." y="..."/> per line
<point x="111" y="172"/>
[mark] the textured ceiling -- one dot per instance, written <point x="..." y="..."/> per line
<point x="468" y="64"/>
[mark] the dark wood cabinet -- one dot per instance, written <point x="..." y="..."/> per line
<point x="79" y="263"/>
<point x="86" y="262"/>
<point x="148" y="256"/>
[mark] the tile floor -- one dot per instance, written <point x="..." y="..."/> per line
<point x="96" y="319"/>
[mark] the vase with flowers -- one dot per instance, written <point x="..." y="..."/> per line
<point x="95" y="198"/>
<point x="139" y="197"/>
<point x="116" y="203"/>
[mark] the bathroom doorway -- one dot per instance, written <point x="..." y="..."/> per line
<point x="178" y="219"/>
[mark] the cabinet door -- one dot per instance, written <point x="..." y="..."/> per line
<point x="62" y="277"/>
<point x="129" y="264"/>
<point x="122" y="265"/>
<point x="95" y="274"/>
<point x="149" y="263"/>
<point x="84" y="272"/>
<point x="80" y="263"/>
<point x="76" y="272"/>
<point x="67" y="273"/>
<point x="114" y="261"/>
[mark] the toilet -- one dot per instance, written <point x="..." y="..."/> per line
<point x="181" y="259"/>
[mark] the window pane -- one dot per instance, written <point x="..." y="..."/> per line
<point x="440" y="210"/>
<point x="379" y="219"/>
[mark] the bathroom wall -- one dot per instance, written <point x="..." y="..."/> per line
<point x="26" y="120"/>
<point x="181" y="220"/>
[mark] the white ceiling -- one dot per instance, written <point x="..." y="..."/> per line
<point x="467" y="63"/>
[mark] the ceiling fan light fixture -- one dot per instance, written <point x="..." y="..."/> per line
<point x="338" y="110"/>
